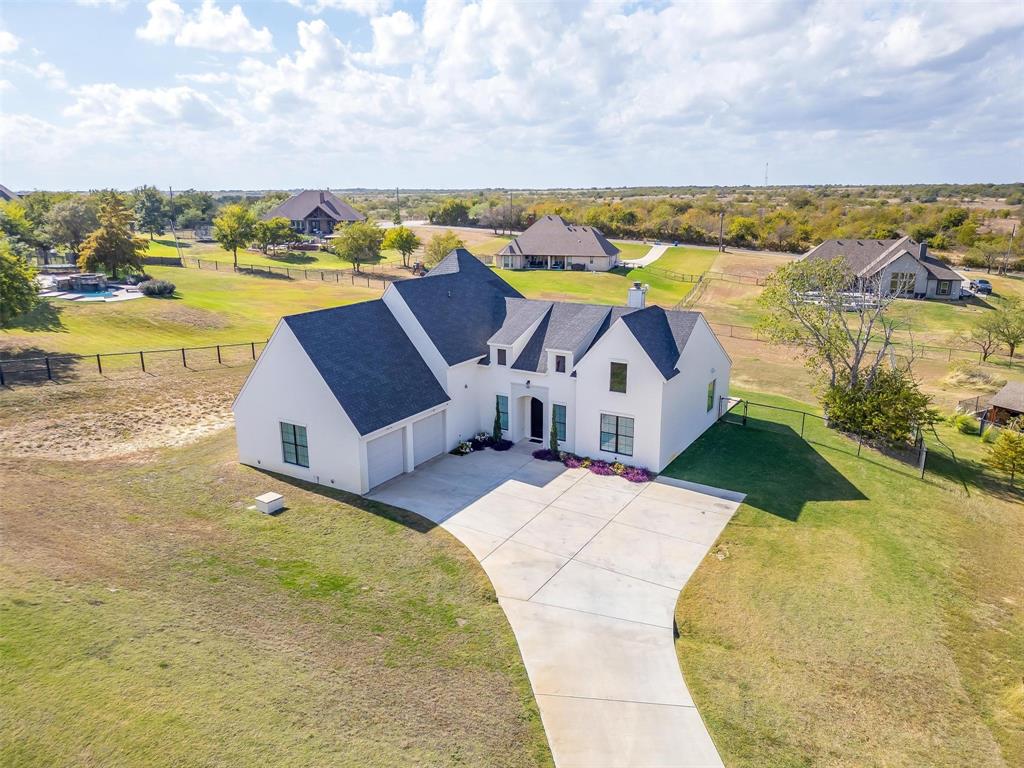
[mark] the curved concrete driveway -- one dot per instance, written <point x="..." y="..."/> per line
<point x="656" y="252"/>
<point x="588" y="570"/>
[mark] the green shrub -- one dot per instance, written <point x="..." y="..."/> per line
<point x="887" y="408"/>
<point x="157" y="288"/>
<point x="964" y="423"/>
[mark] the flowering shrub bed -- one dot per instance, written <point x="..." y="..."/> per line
<point x="546" y="454"/>
<point x="479" y="442"/>
<point x="598" y="467"/>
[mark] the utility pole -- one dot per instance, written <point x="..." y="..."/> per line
<point x="1009" y="247"/>
<point x="398" y="208"/>
<point x="766" y="173"/>
<point x="721" y="229"/>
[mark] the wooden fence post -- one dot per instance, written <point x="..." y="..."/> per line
<point x="183" y="363"/>
<point x="745" y="404"/>
<point x="803" y="418"/>
<point x="142" y="360"/>
<point x="49" y="373"/>
<point x="218" y="355"/>
<point x="253" y="345"/>
<point x="2" y="382"/>
<point x="99" y="365"/>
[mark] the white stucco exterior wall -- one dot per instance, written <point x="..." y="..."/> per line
<point x="684" y="412"/>
<point x="905" y="263"/>
<point x="285" y="386"/>
<point x="642" y="400"/>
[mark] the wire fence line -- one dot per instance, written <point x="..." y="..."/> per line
<point x="109" y="365"/>
<point x="368" y="274"/>
<point x="921" y="351"/>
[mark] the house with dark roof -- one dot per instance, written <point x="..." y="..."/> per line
<point x="315" y="212"/>
<point x="6" y="195"/>
<point x="896" y="267"/>
<point x="551" y="243"/>
<point x="1007" y="403"/>
<point x="353" y="396"/>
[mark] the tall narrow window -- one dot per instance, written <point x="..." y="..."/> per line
<point x="503" y="410"/>
<point x="711" y="394"/>
<point x="560" y="363"/>
<point x="502" y="357"/>
<point x="559" y="415"/>
<point x="617" y="434"/>
<point x="618" y="377"/>
<point x="294" y="445"/>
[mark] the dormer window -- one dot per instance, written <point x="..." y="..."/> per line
<point x="502" y="357"/>
<point x="560" y="363"/>
<point x="617" y="382"/>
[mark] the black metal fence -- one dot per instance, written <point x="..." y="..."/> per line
<point x="669" y="274"/>
<point x="813" y="428"/>
<point x="66" y="368"/>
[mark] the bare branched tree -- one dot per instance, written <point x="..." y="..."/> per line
<point x="842" y="322"/>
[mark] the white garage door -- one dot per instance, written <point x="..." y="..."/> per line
<point x="385" y="457"/>
<point x="428" y="438"/>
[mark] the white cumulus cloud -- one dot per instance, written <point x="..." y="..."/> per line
<point x="208" y="27"/>
<point x="8" y="42"/>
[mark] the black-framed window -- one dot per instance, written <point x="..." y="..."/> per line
<point x="617" y="377"/>
<point x="502" y="357"/>
<point x="294" y="445"/>
<point x="944" y="288"/>
<point x="503" y="410"/>
<point x="617" y="434"/>
<point x="560" y="363"/>
<point x="711" y="394"/>
<point x="559" y="417"/>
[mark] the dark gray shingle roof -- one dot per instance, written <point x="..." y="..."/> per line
<point x="520" y="314"/>
<point x="460" y="304"/>
<point x="568" y="327"/>
<point x="300" y="205"/>
<point x="368" y="363"/>
<point x="1010" y="397"/>
<point x="662" y="334"/>
<point x="552" y="236"/>
<point x="6" y="194"/>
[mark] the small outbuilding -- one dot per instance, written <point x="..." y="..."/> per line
<point x="1007" y="403"/>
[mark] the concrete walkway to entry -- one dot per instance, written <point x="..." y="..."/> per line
<point x="588" y="570"/>
<point x="656" y="252"/>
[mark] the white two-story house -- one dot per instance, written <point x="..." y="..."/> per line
<point x="353" y="396"/>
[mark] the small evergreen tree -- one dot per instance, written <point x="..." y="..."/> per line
<point x="1007" y="452"/>
<point x="553" y="434"/>
<point x="496" y="429"/>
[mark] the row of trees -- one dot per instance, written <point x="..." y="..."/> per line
<point x="791" y="220"/>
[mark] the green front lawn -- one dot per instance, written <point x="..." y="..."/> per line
<point x="152" y="618"/>
<point x="852" y="614"/>
<point x="208" y="308"/>
<point x="687" y="260"/>
<point x="292" y="259"/>
<point x="593" y="287"/>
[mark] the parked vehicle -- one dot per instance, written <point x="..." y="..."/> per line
<point x="981" y="285"/>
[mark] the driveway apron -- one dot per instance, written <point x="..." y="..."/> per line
<point x="588" y="570"/>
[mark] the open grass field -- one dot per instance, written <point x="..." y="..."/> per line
<point x="852" y="614"/>
<point x="208" y="308"/>
<point x="150" y="619"/>
<point x="298" y="259"/>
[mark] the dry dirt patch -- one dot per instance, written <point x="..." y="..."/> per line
<point x="109" y="419"/>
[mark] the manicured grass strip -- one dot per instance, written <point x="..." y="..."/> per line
<point x="208" y="308"/>
<point x="852" y="614"/>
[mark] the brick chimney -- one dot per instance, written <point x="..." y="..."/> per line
<point x="322" y="193"/>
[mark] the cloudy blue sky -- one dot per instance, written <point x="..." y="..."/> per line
<point x="384" y="93"/>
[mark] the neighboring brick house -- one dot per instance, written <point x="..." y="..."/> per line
<point x="900" y="266"/>
<point x="551" y="243"/>
<point x="315" y="212"/>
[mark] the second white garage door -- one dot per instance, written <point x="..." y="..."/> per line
<point x="428" y="438"/>
<point x="385" y="457"/>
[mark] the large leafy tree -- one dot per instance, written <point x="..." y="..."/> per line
<point x="450" y="212"/>
<point x="18" y="288"/>
<point x="403" y="240"/>
<point x="113" y="245"/>
<point x="845" y="331"/>
<point x="15" y="223"/>
<point x="235" y="228"/>
<point x="358" y="242"/>
<point x="151" y="212"/>
<point x="1007" y="323"/>
<point x="69" y="222"/>
<point x="273" y="232"/>
<point x="441" y="245"/>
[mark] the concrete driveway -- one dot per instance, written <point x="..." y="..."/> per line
<point x="656" y="252"/>
<point x="588" y="570"/>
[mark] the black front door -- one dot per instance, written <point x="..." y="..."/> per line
<point x="536" y="418"/>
